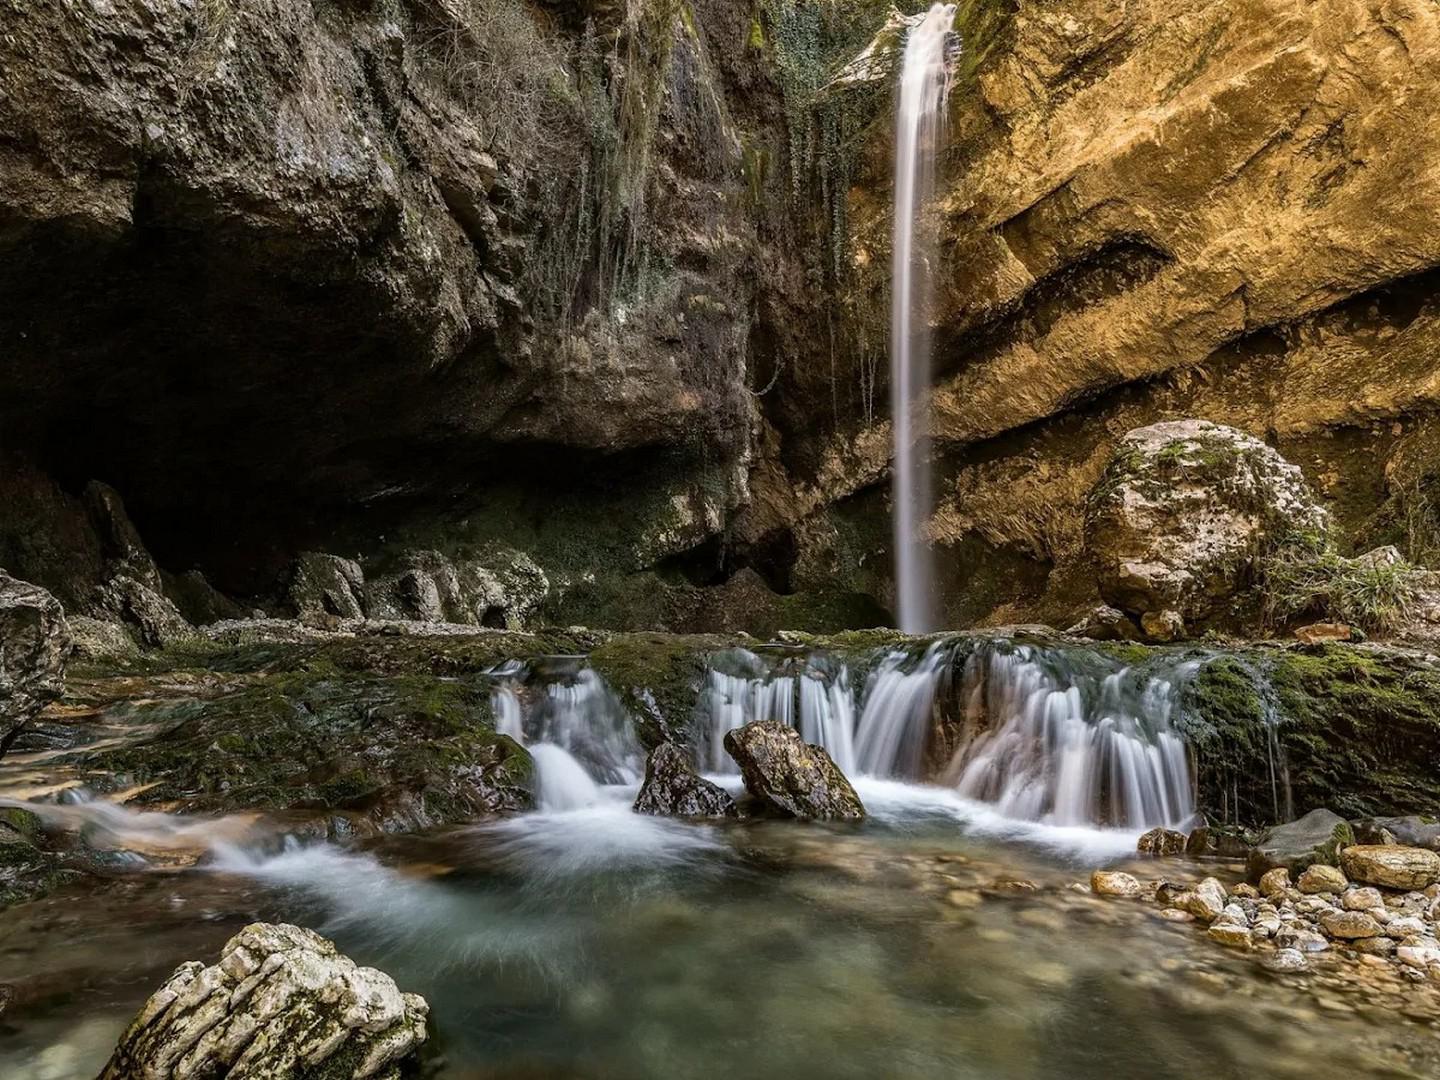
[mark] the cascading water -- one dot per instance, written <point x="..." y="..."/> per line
<point x="1072" y="748"/>
<point x="1054" y="735"/>
<point x="924" y="87"/>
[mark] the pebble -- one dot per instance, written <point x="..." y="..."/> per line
<point x="963" y="898"/>
<point x="1206" y="901"/>
<point x="1232" y="934"/>
<point x="1171" y="914"/>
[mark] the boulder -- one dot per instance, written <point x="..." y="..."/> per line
<point x="1114" y="883"/>
<point x="1105" y="623"/>
<point x="673" y="788"/>
<point x="1320" y="878"/>
<point x="501" y="589"/>
<point x="1318" y="837"/>
<point x="98" y="639"/>
<point x="1391" y="866"/>
<point x="790" y="776"/>
<point x="34" y="644"/>
<point x="1414" y="830"/>
<point x="1161" y="842"/>
<point x="326" y="585"/>
<point x="282" y="1003"/>
<point x="27" y="868"/>
<point x="1177" y="518"/>
<point x="155" y="618"/>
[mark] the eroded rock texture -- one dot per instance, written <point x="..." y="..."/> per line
<point x="790" y="776"/>
<point x="283" y="1003"/>
<point x="1182" y="512"/>
<point x="34" y="646"/>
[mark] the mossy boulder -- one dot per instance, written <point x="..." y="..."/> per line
<point x="1182" y="511"/>
<point x="397" y="751"/>
<point x="28" y="870"/>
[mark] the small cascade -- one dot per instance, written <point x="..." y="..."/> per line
<point x="573" y="709"/>
<point x="563" y="782"/>
<point x="896" y="722"/>
<point x="919" y="128"/>
<point x="805" y="694"/>
<point x="1071" y="747"/>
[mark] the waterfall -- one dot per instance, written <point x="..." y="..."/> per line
<point x="924" y="86"/>
<point x="1057" y="735"/>
<point x="563" y="782"/>
<point x="1067" y="748"/>
<point x="896" y="722"/>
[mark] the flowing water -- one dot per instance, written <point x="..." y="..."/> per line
<point x="919" y="126"/>
<point x="946" y="936"/>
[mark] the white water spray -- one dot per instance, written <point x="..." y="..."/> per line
<point x="924" y="87"/>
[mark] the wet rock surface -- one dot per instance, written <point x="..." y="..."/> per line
<point x="34" y="647"/>
<point x="672" y="788"/>
<point x="282" y="1002"/>
<point x="789" y="776"/>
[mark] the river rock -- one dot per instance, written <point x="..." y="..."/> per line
<point x="1115" y="883"/>
<point x="1161" y="842"/>
<point x="789" y="775"/>
<point x="1231" y="934"/>
<point x="1206" y="901"/>
<point x="673" y="788"/>
<point x="1391" y="865"/>
<point x="1317" y="837"/>
<point x="281" y="1003"/>
<point x="1305" y="941"/>
<point x="1414" y="830"/>
<point x="34" y="645"/>
<point x="1275" y="882"/>
<point x="1362" y="898"/>
<point x="500" y="588"/>
<point x="1350" y="924"/>
<point x="1179" y="514"/>
<point x="1320" y="878"/>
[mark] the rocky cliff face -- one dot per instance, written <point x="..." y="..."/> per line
<point x="604" y="283"/>
<point x="1160" y="210"/>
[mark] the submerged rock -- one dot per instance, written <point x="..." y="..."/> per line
<point x="790" y="775"/>
<point x="34" y="644"/>
<point x="27" y="869"/>
<point x="282" y="1003"/>
<point x="1317" y="837"/>
<point x="1115" y="883"/>
<point x="1391" y="866"/>
<point x="673" y="788"/>
<point x="1179" y="514"/>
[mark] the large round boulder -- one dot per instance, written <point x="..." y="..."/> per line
<point x="1180" y="513"/>
<point x="282" y="1003"/>
<point x="34" y="644"/>
<point x="790" y="776"/>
